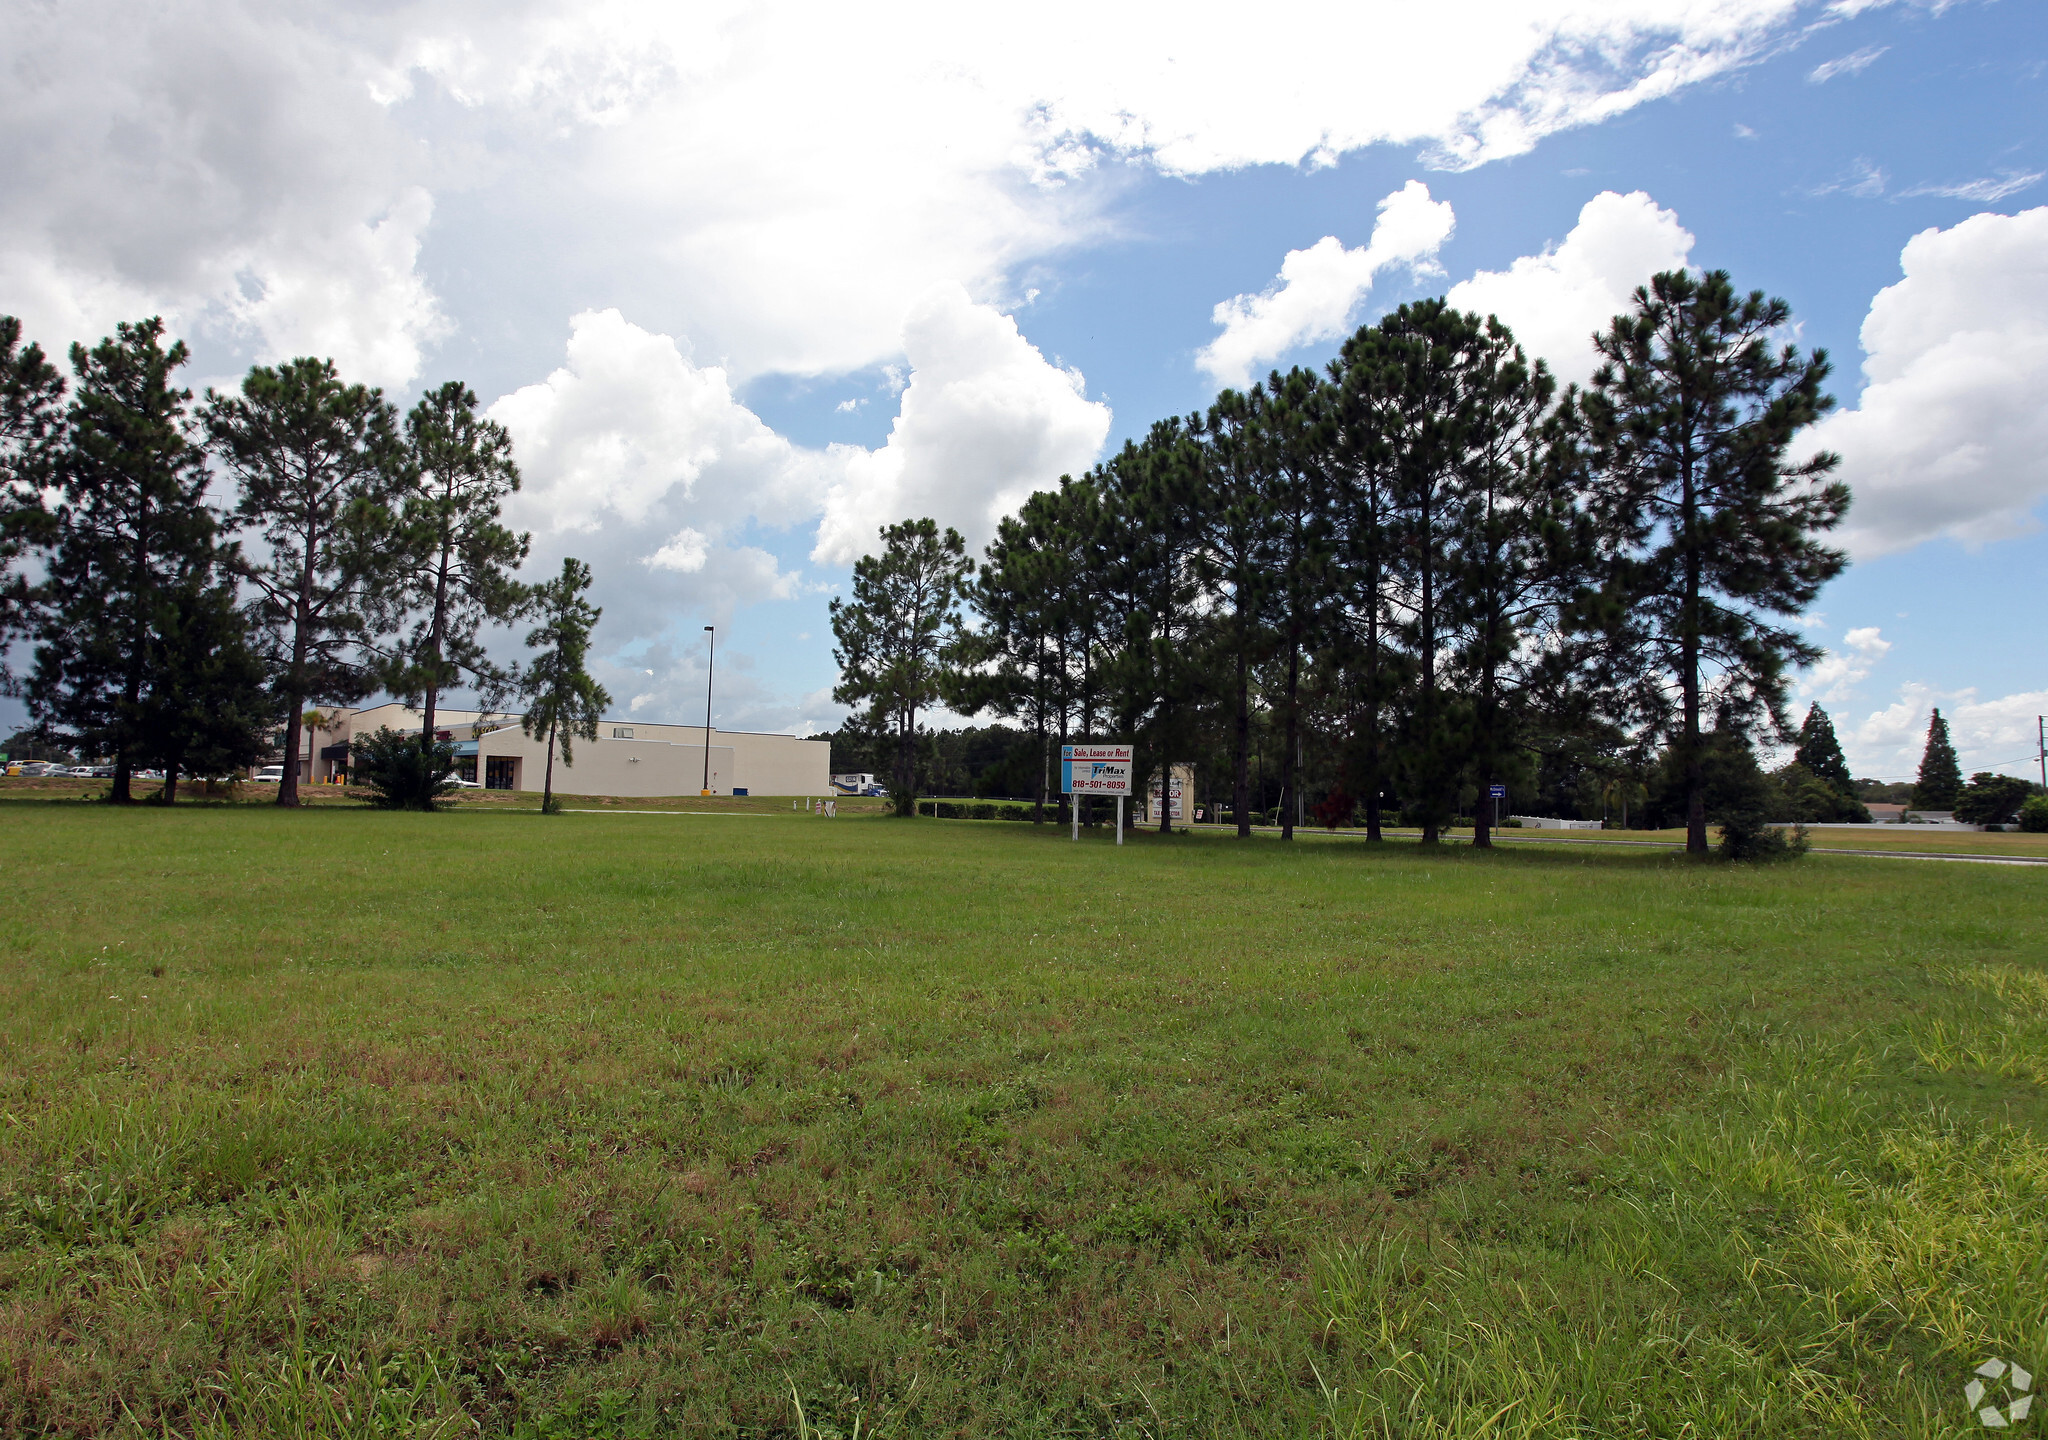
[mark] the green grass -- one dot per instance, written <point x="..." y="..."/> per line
<point x="347" y="1123"/>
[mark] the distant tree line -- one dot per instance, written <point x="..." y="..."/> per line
<point x="350" y="550"/>
<point x="1379" y="589"/>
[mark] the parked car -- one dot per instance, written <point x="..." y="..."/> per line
<point x="461" y="784"/>
<point x="270" y="775"/>
<point x="30" y="768"/>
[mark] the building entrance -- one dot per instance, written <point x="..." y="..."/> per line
<point x="501" y="772"/>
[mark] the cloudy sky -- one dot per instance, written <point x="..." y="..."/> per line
<point x="748" y="280"/>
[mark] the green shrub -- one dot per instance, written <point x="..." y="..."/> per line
<point x="402" y="773"/>
<point x="2034" y="814"/>
<point x="1991" y="799"/>
<point x="1745" y="837"/>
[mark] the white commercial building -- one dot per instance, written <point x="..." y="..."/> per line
<point x="629" y="757"/>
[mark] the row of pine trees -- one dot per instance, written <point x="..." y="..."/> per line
<point x="1424" y="564"/>
<point x="356" y="549"/>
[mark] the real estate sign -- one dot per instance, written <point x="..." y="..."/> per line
<point x="1095" y="769"/>
<point x="1177" y="792"/>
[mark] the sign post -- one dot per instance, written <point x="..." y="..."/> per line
<point x="1096" y="770"/>
<point x="1496" y="793"/>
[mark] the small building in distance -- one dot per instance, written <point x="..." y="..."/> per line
<point x="629" y="757"/>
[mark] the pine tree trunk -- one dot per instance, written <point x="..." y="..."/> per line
<point x="1430" y="830"/>
<point x="1689" y="679"/>
<point x="1482" y="837"/>
<point x="547" y="788"/>
<point x="1375" y="758"/>
<point x="1044" y="766"/>
<point x="906" y="797"/>
<point x="170" y="794"/>
<point x="1241" y="768"/>
<point x="436" y="637"/>
<point x="302" y="619"/>
<point x="1290" y="774"/>
<point x="288" y="787"/>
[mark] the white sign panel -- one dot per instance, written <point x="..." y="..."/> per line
<point x="1095" y="769"/>
<point x="1178" y="805"/>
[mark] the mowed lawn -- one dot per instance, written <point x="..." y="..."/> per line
<point x="348" y="1123"/>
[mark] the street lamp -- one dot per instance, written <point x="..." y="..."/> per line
<point x="710" y="658"/>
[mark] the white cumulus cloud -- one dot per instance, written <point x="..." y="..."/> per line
<point x="777" y="180"/>
<point x="985" y="420"/>
<point x="628" y="425"/>
<point x="1996" y="734"/>
<point x="222" y="165"/>
<point x="1835" y="678"/>
<point x="1555" y="301"/>
<point x="1950" y="436"/>
<point x="1319" y="288"/>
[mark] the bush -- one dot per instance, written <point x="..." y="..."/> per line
<point x="2034" y="814"/>
<point x="1991" y="799"/>
<point x="1745" y="837"/>
<point x="402" y="774"/>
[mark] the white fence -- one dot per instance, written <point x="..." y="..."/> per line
<point x="1545" y="822"/>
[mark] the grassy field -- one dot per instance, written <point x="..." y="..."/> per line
<point x="350" y="1123"/>
<point x="2010" y="843"/>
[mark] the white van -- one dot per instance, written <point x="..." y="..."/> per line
<point x="270" y="775"/>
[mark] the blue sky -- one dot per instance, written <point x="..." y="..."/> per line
<point x="745" y="280"/>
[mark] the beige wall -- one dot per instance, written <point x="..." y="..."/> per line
<point x="654" y="759"/>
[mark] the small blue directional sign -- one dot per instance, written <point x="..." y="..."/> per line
<point x="1498" y="792"/>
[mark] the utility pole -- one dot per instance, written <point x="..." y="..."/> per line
<point x="2041" y="744"/>
<point x="710" y="658"/>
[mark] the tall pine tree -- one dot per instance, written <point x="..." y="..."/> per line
<point x="1820" y="752"/>
<point x="31" y="443"/>
<point x="563" y="702"/>
<point x="134" y="541"/>
<point x="1941" y="774"/>
<point x="318" y="463"/>
<point x="1691" y="417"/>
<point x="454" y="557"/>
<point x="897" y="635"/>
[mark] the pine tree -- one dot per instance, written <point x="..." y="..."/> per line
<point x="896" y="636"/>
<point x="1292" y="419"/>
<point x="208" y="710"/>
<point x="1364" y="494"/>
<point x="1428" y="354"/>
<point x="1231" y="544"/>
<point x="1691" y="416"/>
<point x="563" y="702"/>
<point x="1015" y="664"/>
<point x="134" y="540"/>
<point x="1941" y="774"/>
<point x="317" y="462"/>
<point x="1519" y="555"/>
<point x="454" y="559"/>
<point x="31" y="443"/>
<point x="1143" y="555"/>
<point x="1820" y="752"/>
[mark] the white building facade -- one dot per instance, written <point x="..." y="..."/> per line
<point x="629" y="758"/>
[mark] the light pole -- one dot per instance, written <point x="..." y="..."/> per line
<point x="710" y="658"/>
